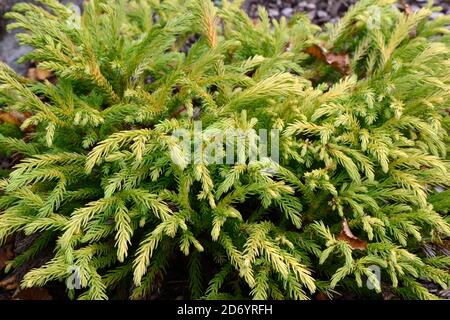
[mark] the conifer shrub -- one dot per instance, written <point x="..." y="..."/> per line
<point x="360" y="107"/>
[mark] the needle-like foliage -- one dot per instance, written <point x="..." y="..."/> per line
<point x="362" y="149"/>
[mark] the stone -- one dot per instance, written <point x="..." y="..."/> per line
<point x="435" y="15"/>
<point x="322" y="14"/>
<point x="303" y="4"/>
<point x="273" y="13"/>
<point x="10" y="50"/>
<point x="287" y="12"/>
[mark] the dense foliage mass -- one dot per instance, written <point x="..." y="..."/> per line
<point x="361" y="107"/>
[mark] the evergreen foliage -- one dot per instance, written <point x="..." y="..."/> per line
<point x="365" y="146"/>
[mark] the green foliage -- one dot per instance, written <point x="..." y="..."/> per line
<point x="104" y="181"/>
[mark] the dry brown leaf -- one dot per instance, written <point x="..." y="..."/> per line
<point x="33" y="294"/>
<point x="9" y="283"/>
<point x="16" y="118"/>
<point x="340" y="61"/>
<point x="38" y="74"/>
<point x="6" y="117"/>
<point x="21" y="116"/>
<point x="31" y="74"/>
<point x="43" y="74"/>
<point x="347" y="236"/>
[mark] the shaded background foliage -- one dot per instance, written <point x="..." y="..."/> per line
<point x="320" y="11"/>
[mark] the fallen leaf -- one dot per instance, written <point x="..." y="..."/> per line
<point x="14" y="117"/>
<point x="33" y="294"/>
<point x="21" y="116"/>
<point x="347" y="236"/>
<point x="6" y="117"/>
<point x="43" y="74"/>
<point x="9" y="283"/>
<point x="38" y="74"/>
<point x="316" y="52"/>
<point x="31" y="74"/>
<point x="340" y="61"/>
